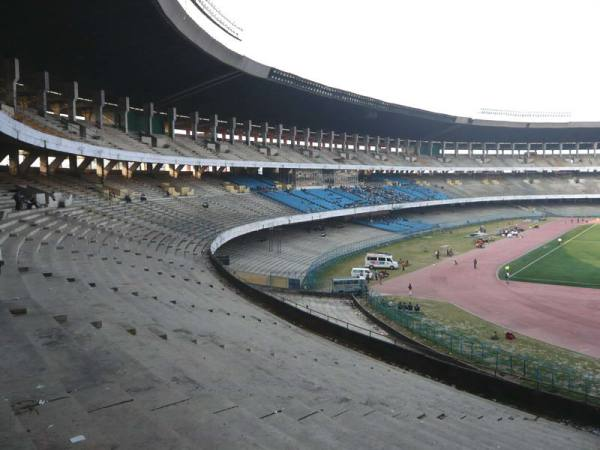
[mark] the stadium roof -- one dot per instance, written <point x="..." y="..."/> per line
<point x="153" y="51"/>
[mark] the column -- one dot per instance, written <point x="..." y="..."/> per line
<point x="355" y="143"/>
<point x="124" y="114"/>
<point x="195" y="118"/>
<point x="148" y="117"/>
<point x="72" y="95"/>
<point x="419" y="145"/>
<point x="13" y="161"/>
<point x="100" y="168"/>
<point x="470" y="147"/>
<point x="387" y="145"/>
<point x="331" y="141"/>
<point x="377" y="144"/>
<point x="345" y="141"/>
<point x="249" y="132"/>
<point x="172" y="118"/>
<point x="293" y="136"/>
<point x="215" y="128"/>
<point x="14" y="75"/>
<point x="44" y="88"/>
<point x="232" y="130"/>
<point x="99" y="107"/>
<point x="595" y="146"/>
<point x="320" y="140"/>
<point x="44" y="164"/>
<point x="279" y="135"/>
<point x="307" y="138"/>
<point x="367" y="139"/>
<point x="265" y="134"/>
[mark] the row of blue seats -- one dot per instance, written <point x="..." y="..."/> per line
<point x="398" y="225"/>
<point x="253" y="183"/>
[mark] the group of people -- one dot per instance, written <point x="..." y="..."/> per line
<point x="23" y="202"/>
<point x="409" y="306"/>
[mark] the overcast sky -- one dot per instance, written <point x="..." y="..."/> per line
<point x="448" y="56"/>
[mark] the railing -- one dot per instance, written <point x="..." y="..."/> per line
<point x="541" y="374"/>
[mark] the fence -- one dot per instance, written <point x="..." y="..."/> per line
<point x="542" y="374"/>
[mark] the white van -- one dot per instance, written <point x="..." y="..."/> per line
<point x="361" y="272"/>
<point x="380" y="261"/>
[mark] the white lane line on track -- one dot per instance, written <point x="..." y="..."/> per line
<point x="552" y="251"/>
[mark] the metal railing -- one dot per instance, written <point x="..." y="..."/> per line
<point x="533" y="371"/>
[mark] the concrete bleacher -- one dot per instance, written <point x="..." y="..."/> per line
<point x="120" y="333"/>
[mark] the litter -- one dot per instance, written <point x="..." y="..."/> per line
<point x="76" y="439"/>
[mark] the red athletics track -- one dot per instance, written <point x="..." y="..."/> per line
<point x="565" y="316"/>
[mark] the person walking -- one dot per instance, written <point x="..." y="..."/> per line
<point x="475" y="263"/>
<point x="410" y="289"/>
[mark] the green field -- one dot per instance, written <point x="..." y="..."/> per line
<point x="419" y="251"/>
<point x="574" y="261"/>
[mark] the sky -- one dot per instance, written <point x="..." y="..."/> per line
<point x="454" y="57"/>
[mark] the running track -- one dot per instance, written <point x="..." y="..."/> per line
<point x="561" y="315"/>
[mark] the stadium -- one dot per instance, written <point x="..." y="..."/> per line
<point x="202" y="250"/>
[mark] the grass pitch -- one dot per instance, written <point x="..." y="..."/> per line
<point x="574" y="260"/>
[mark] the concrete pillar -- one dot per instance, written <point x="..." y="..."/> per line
<point x="293" y="136"/>
<point x="443" y="149"/>
<point x="44" y="88"/>
<point x="397" y="146"/>
<point x="387" y="144"/>
<point x="14" y="75"/>
<point x="27" y="162"/>
<point x="13" y="162"/>
<point x="73" y="163"/>
<point x="55" y="165"/>
<point x="100" y="168"/>
<point x="99" y="108"/>
<point x="307" y="138"/>
<point x="320" y="140"/>
<point x="232" y="128"/>
<point x="44" y="164"/>
<point x="195" y="118"/>
<point x="512" y="148"/>
<point x="355" y="143"/>
<point x="345" y="141"/>
<point x="249" y="132"/>
<point x="125" y="169"/>
<point x="470" y="148"/>
<point x="197" y="172"/>
<point x="544" y="148"/>
<point x="483" y="151"/>
<point x="332" y="141"/>
<point x="419" y="145"/>
<point x="265" y="133"/>
<point x="377" y="144"/>
<point x="279" y="135"/>
<point x="578" y="148"/>
<point x="595" y="147"/>
<point x="456" y="149"/>
<point x="72" y="93"/>
<point x="367" y="140"/>
<point x="124" y="114"/>
<point x="173" y="172"/>
<point x="172" y="118"/>
<point x="215" y="128"/>
<point x="148" y="117"/>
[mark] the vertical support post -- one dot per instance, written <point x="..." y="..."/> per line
<point x="388" y="141"/>
<point x="215" y="128"/>
<point x="265" y="134"/>
<point x="367" y="139"/>
<point x="14" y="75"/>
<point x="294" y="134"/>
<point x="279" y="134"/>
<point x="44" y="164"/>
<point x="419" y="145"/>
<point x="595" y="146"/>
<point x="198" y="171"/>
<point x="44" y="88"/>
<point x="513" y="148"/>
<point x="172" y="118"/>
<point x="320" y="140"/>
<point x="99" y="107"/>
<point x="355" y="142"/>
<point x="377" y="144"/>
<point x="73" y="95"/>
<point x="148" y="117"/>
<point x="248" y="132"/>
<point x="232" y="130"/>
<point x="73" y="163"/>
<point x="345" y="141"/>
<point x="307" y="138"/>
<point x="124" y="114"/>
<point x="13" y="161"/>
<point x="332" y="141"/>
<point x="470" y="147"/>
<point x="483" y="151"/>
<point x="100" y="168"/>
<point x="195" y="118"/>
